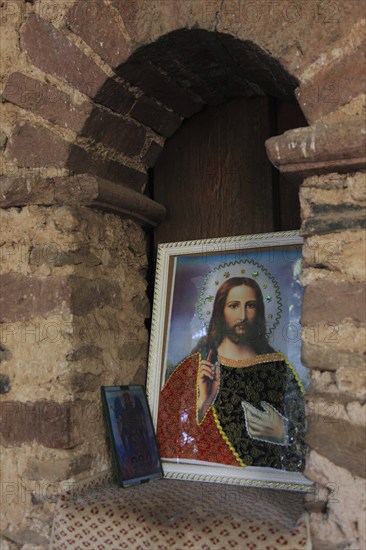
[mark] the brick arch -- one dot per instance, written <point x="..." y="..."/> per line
<point x="141" y="69"/>
<point x="173" y="79"/>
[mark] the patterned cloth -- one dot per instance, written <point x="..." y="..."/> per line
<point x="222" y="436"/>
<point x="173" y="514"/>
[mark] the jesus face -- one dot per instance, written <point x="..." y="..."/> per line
<point x="240" y="312"/>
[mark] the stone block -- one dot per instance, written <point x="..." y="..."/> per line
<point x="53" y="255"/>
<point x="20" y="191"/>
<point x="46" y="422"/>
<point x="147" y="111"/>
<point x="333" y="301"/>
<point x="81" y="161"/>
<point x="129" y="13"/>
<point x="57" y="469"/>
<point x="341" y="253"/>
<point x="352" y="378"/>
<point x="130" y="351"/>
<point x="325" y="356"/>
<point x="152" y="154"/>
<point x="24" y="297"/>
<point x="339" y="441"/>
<point x="155" y="84"/>
<point x="327" y="218"/>
<point x="96" y="24"/>
<point x="258" y="68"/>
<point x="87" y="295"/>
<point x="46" y="101"/>
<point x="115" y="96"/>
<point x="52" y="52"/>
<point x="34" y="146"/>
<point x="84" y="382"/>
<point x="345" y="493"/>
<point x="335" y="84"/>
<point x="114" y="132"/>
<point x="89" y="351"/>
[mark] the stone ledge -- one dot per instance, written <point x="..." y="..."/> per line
<point x="319" y="149"/>
<point x="81" y="190"/>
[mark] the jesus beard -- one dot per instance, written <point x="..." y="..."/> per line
<point x="244" y="333"/>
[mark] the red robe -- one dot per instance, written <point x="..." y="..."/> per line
<point x="178" y="434"/>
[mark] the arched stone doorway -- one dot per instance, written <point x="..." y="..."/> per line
<point x="76" y="116"/>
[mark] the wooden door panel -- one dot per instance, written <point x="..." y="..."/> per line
<point x="214" y="177"/>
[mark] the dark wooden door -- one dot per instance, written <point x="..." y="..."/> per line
<point x="214" y="176"/>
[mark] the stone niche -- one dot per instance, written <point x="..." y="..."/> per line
<point x="91" y="90"/>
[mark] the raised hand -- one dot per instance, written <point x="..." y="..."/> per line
<point x="267" y="425"/>
<point x="208" y="384"/>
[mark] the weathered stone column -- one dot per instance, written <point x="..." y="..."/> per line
<point x="73" y="306"/>
<point x="330" y="158"/>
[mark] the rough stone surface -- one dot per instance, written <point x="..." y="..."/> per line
<point x="27" y="537"/>
<point x="54" y="54"/>
<point x="150" y="113"/>
<point x="64" y="358"/>
<point x="331" y="218"/>
<point x="334" y="84"/>
<point x="115" y="96"/>
<point x="334" y="202"/>
<point x="88" y="295"/>
<point x="25" y="297"/>
<point x="81" y="161"/>
<point x="114" y="132"/>
<point x="3" y="139"/>
<point x="97" y="26"/>
<point x="46" y="422"/>
<point x="343" y="253"/>
<point x="333" y="301"/>
<point x="343" y="525"/>
<point x="45" y="100"/>
<point x="35" y="146"/>
<point x="152" y="154"/>
<point x="58" y="469"/>
<point x="153" y="83"/>
<point x="352" y="380"/>
<point x="5" y="385"/>
<point x="319" y="355"/>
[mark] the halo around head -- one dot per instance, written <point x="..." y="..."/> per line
<point x="242" y="268"/>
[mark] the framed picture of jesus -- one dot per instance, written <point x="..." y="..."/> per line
<point x="225" y="381"/>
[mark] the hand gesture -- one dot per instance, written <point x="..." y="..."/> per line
<point x="267" y="425"/>
<point x="208" y="384"/>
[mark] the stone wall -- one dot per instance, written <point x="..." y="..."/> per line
<point x="72" y="310"/>
<point x="95" y="88"/>
<point x="334" y="338"/>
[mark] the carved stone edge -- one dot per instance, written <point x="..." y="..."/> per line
<point x="319" y="149"/>
<point x="80" y="190"/>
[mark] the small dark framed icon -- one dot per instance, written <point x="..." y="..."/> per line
<point x="134" y="449"/>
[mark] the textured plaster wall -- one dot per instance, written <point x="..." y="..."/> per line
<point x="80" y="277"/>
